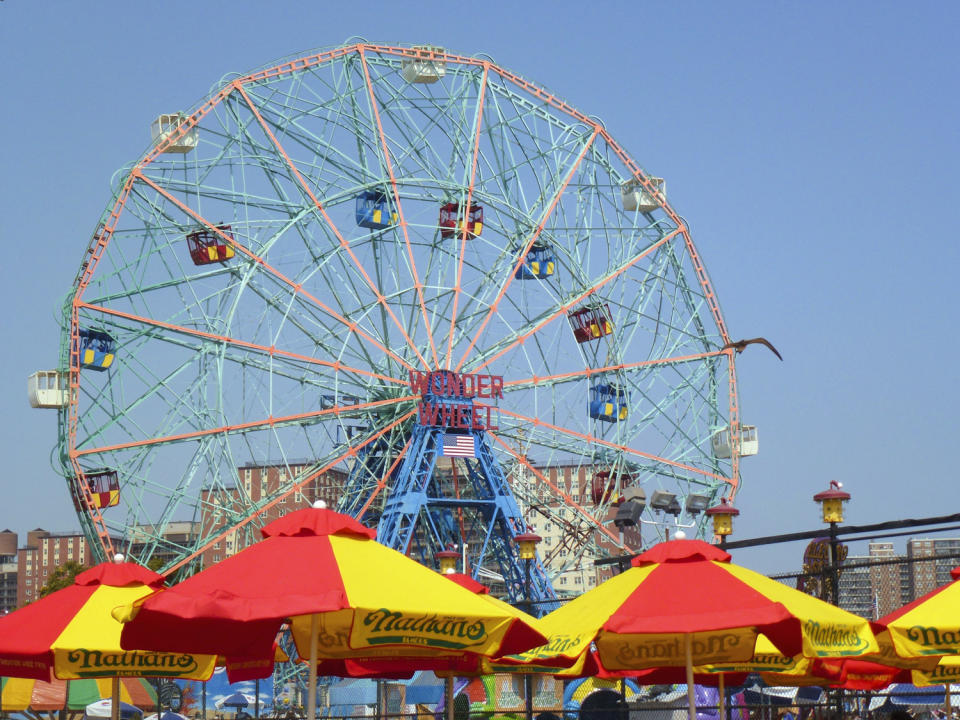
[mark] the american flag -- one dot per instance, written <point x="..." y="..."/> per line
<point x="459" y="445"/>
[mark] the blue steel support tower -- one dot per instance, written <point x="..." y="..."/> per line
<point x="431" y="508"/>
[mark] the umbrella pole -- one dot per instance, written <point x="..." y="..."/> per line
<point x="256" y="695"/>
<point x="947" y="702"/>
<point x="722" y="698"/>
<point x="448" y="697"/>
<point x="688" y="652"/>
<point x="115" y="698"/>
<point x="203" y="698"/>
<point x="312" y="684"/>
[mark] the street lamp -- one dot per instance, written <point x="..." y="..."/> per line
<point x="448" y="561"/>
<point x="831" y="508"/>
<point x="722" y="516"/>
<point x="527" y="545"/>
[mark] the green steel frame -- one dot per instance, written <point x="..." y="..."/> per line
<point x="295" y="352"/>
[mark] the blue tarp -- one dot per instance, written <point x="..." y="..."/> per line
<point x="424" y="689"/>
<point x="354" y="692"/>
<point x="907" y="694"/>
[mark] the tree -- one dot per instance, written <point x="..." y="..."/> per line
<point x="61" y="577"/>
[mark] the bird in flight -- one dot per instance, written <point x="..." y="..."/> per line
<point x="739" y="345"/>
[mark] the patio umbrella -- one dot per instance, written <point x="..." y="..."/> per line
<point x="238" y="701"/>
<point x="168" y="715"/>
<point x="346" y="596"/>
<point x="71" y="633"/>
<point x="683" y="603"/>
<point x="110" y="708"/>
<point x="18" y="694"/>
<point x="928" y="626"/>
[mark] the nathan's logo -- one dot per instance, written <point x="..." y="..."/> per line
<point x="759" y="663"/>
<point x="933" y="637"/>
<point x="558" y="645"/>
<point x="336" y="639"/>
<point x="943" y="672"/>
<point x="774" y="661"/>
<point x="833" y="637"/>
<point x="387" y="626"/>
<point x="714" y="646"/>
<point x="145" y="663"/>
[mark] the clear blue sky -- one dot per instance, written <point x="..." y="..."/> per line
<point x="812" y="147"/>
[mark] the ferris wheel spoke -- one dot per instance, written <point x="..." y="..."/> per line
<point x="247" y="426"/>
<point x="152" y="385"/>
<point x="521" y="335"/>
<point x="352" y="451"/>
<point x="478" y="124"/>
<point x="559" y="493"/>
<point x="353" y="327"/>
<point x="344" y="244"/>
<point x="526" y="249"/>
<point x="586" y="373"/>
<point x="414" y="128"/>
<point x="536" y="422"/>
<point x="234" y="342"/>
<point x="418" y="285"/>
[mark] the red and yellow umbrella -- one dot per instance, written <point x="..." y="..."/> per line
<point x="683" y="603"/>
<point x="346" y="597"/>
<point x="72" y="634"/>
<point x="928" y="626"/>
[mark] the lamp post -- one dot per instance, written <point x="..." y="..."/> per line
<point x="722" y="516"/>
<point x="448" y="565"/>
<point x="831" y="508"/>
<point x="448" y="561"/>
<point x="527" y="544"/>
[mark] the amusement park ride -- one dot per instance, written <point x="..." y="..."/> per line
<point x="414" y="267"/>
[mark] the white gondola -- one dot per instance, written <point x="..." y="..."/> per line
<point x="423" y="68"/>
<point x="636" y="197"/>
<point x="47" y="389"/>
<point x="749" y="442"/>
<point x="168" y="125"/>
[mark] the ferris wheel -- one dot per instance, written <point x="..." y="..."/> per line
<point x="414" y="268"/>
